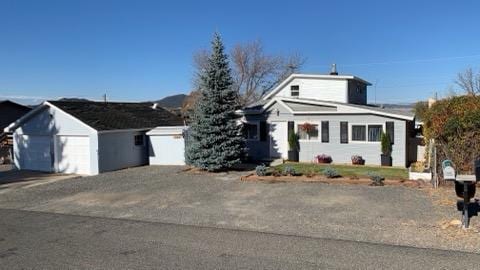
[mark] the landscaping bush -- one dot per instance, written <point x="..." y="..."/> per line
<point x="386" y="145"/>
<point x="289" y="170"/>
<point x="330" y="172"/>
<point x="377" y="179"/>
<point x="418" y="166"/>
<point x="358" y="160"/>
<point x="454" y="123"/>
<point x="261" y="170"/>
<point x="323" y="159"/>
<point x="276" y="173"/>
<point x="293" y="142"/>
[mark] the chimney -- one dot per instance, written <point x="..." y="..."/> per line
<point x="333" y="71"/>
<point x="155" y="106"/>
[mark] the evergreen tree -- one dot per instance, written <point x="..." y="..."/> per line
<point x="214" y="140"/>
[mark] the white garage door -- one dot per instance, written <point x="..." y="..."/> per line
<point x="33" y="152"/>
<point x="72" y="154"/>
<point x="167" y="150"/>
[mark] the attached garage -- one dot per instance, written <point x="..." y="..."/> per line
<point x="167" y="146"/>
<point x="87" y="138"/>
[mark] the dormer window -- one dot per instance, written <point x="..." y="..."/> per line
<point x="294" y="90"/>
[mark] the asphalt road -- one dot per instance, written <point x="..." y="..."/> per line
<point x="35" y="240"/>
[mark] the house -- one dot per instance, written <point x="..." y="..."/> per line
<point x="86" y="137"/>
<point x="9" y="112"/>
<point x="339" y="120"/>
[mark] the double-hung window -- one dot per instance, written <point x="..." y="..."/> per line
<point x="364" y="133"/>
<point x="374" y="133"/>
<point x="358" y="133"/>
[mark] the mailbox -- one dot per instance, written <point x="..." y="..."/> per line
<point x="448" y="170"/>
<point x="460" y="188"/>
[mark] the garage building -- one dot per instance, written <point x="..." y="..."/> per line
<point x="86" y="137"/>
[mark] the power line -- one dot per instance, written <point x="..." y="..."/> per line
<point x="405" y="61"/>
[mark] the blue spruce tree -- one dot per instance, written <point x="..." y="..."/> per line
<point x="214" y="140"/>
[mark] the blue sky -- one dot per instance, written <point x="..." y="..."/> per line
<point x="142" y="50"/>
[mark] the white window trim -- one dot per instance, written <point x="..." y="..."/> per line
<point x="256" y="123"/>
<point x="319" y="125"/>
<point x="350" y="132"/>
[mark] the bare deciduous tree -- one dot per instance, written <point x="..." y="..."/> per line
<point x="469" y="81"/>
<point x="254" y="71"/>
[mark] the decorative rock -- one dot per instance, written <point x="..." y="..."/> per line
<point x="455" y="222"/>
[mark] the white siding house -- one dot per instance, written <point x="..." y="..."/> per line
<point x="343" y="124"/>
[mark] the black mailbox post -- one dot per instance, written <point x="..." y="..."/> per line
<point x="465" y="187"/>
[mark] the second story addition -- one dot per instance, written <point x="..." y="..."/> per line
<point x="331" y="87"/>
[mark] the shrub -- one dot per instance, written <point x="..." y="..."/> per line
<point x="293" y="141"/>
<point x="276" y="173"/>
<point x="358" y="160"/>
<point x="323" y="159"/>
<point x="261" y="170"/>
<point x="330" y="172"/>
<point x="377" y="179"/>
<point x="454" y="124"/>
<point x="289" y="170"/>
<point x="386" y="144"/>
<point x="418" y="166"/>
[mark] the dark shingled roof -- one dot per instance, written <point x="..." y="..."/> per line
<point x="10" y="112"/>
<point x="116" y="115"/>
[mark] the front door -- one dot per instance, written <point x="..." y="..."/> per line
<point x="278" y="140"/>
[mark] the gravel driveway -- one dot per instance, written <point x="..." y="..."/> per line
<point x="392" y="215"/>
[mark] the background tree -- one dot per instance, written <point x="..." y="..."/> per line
<point x="469" y="81"/>
<point x="214" y="140"/>
<point x="254" y="71"/>
<point x="420" y="109"/>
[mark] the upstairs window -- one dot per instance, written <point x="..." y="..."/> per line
<point x="138" y="140"/>
<point x="295" y="90"/>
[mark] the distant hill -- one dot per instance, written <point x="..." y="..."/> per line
<point x="401" y="107"/>
<point x="74" y="99"/>
<point x="174" y="101"/>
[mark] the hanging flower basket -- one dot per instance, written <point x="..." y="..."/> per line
<point x="307" y="127"/>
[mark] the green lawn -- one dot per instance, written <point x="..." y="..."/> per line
<point x="348" y="170"/>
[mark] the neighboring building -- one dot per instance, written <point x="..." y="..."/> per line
<point x="342" y="123"/>
<point x="87" y="137"/>
<point x="9" y="112"/>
